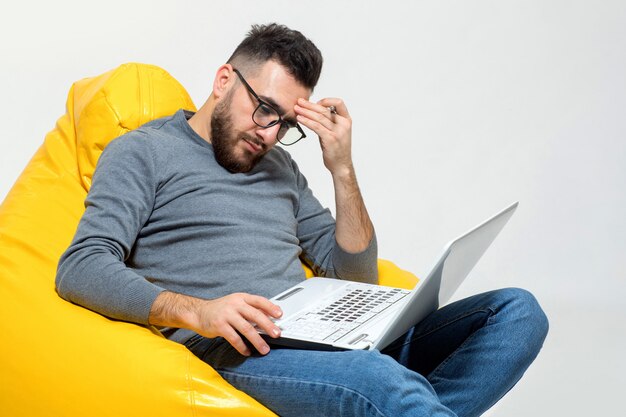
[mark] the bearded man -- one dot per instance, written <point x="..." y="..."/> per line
<point x="193" y="221"/>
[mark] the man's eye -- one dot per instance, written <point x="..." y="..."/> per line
<point x="266" y="110"/>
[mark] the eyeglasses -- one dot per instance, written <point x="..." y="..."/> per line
<point x="265" y="115"/>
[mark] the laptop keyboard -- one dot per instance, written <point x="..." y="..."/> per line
<point x="335" y="318"/>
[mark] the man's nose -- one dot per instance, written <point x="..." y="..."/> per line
<point x="269" y="135"/>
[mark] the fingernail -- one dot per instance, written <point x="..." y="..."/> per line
<point x="276" y="331"/>
<point x="265" y="350"/>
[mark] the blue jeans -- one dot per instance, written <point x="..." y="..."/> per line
<point x="458" y="361"/>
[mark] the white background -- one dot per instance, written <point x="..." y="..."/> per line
<point x="459" y="108"/>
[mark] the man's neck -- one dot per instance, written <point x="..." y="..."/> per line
<point x="201" y="121"/>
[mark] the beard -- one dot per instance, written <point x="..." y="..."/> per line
<point x="225" y="140"/>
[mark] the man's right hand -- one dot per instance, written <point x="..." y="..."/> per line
<point x="230" y="317"/>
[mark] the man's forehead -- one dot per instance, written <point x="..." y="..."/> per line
<point x="274" y="84"/>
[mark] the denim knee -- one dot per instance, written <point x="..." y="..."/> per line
<point x="525" y="309"/>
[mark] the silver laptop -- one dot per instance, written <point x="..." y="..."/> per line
<point x="332" y="314"/>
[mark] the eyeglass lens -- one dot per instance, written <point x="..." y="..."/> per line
<point x="266" y="116"/>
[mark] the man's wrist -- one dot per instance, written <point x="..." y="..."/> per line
<point x="344" y="173"/>
<point x="174" y="310"/>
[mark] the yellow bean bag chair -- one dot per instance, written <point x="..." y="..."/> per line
<point x="59" y="359"/>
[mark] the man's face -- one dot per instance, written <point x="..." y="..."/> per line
<point x="238" y="142"/>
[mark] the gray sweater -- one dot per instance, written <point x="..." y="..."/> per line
<point x="162" y="214"/>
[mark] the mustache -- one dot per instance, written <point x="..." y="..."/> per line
<point x="254" y="140"/>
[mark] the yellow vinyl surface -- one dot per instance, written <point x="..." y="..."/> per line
<point x="59" y="359"/>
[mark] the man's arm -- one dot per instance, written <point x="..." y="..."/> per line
<point x="354" y="229"/>
<point x="92" y="271"/>
<point x="230" y="317"/>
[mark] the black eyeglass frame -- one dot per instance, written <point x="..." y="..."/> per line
<point x="284" y="124"/>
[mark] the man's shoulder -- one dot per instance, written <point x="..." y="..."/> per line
<point x="163" y="126"/>
<point x="145" y="136"/>
<point x="133" y="141"/>
<point x="158" y="124"/>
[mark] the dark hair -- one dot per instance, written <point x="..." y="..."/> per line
<point x="288" y="47"/>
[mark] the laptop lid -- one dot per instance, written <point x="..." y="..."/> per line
<point x="457" y="260"/>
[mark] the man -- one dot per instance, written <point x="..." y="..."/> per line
<point x="194" y="220"/>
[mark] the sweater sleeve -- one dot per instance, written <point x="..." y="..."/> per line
<point x="92" y="272"/>
<point x="320" y="250"/>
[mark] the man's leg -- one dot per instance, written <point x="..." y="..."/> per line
<point x="474" y="351"/>
<point x="465" y="356"/>
<point x="299" y="383"/>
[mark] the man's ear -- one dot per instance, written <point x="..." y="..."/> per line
<point x="224" y="79"/>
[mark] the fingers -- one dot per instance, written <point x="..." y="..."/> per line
<point x="314" y="116"/>
<point x="320" y="116"/>
<point x="254" y="315"/>
<point x="229" y="333"/>
<point x="244" y="328"/>
<point x="264" y="304"/>
<point x="244" y="325"/>
<point x="234" y="317"/>
<point x="334" y="131"/>
<point x="338" y="103"/>
<point x="325" y="105"/>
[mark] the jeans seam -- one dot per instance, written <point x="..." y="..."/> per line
<point x="301" y="381"/>
<point x="453" y="354"/>
<point x="193" y="341"/>
<point x="448" y="322"/>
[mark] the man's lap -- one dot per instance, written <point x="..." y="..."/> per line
<point x="324" y="383"/>
<point x="372" y="382"/>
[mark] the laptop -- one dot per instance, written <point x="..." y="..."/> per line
<point x="333" y="314"/>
